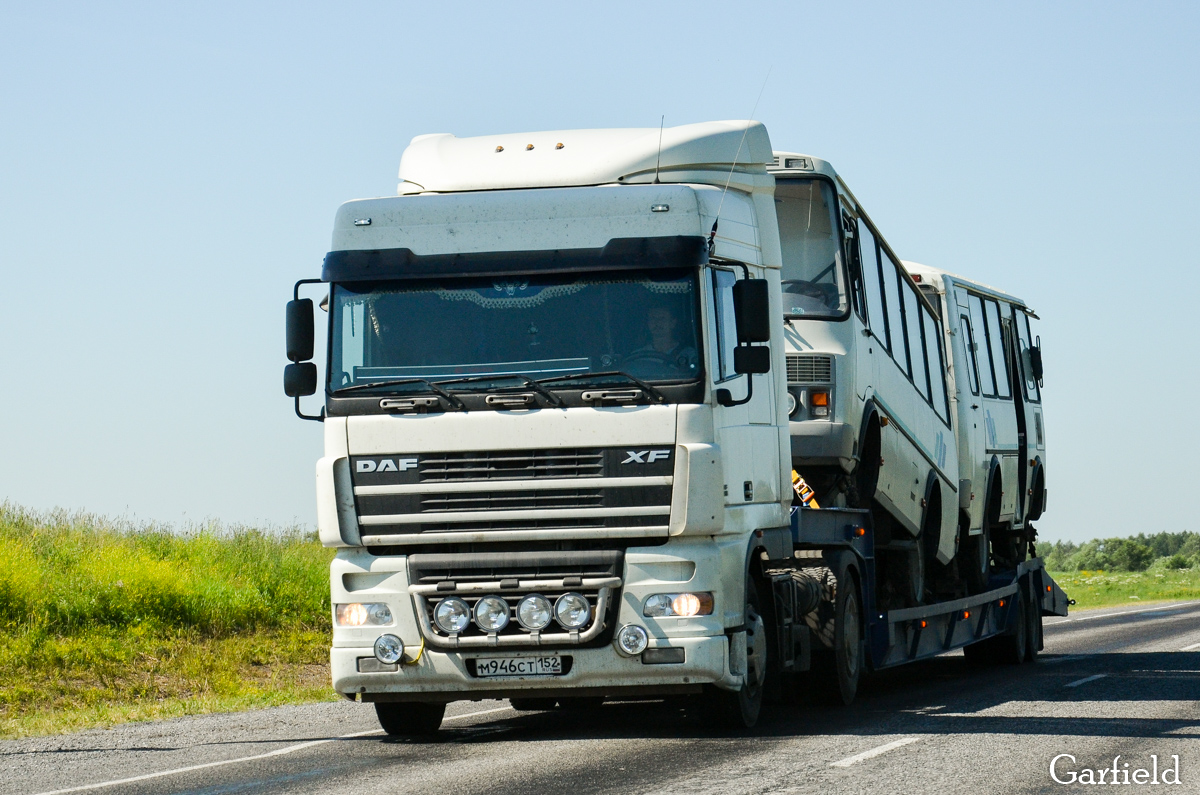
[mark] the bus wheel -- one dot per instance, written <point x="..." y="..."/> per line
<point x="409" y="719"/>
<point x="839" y="672"/>
<point x="975" y="561"/>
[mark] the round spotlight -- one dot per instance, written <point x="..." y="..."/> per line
<point x="572" y="610"/>
<point x="792" y="404"/>
<point x="452" y="615"/>
<point x="389" y="649"/>
<point x="631" y="640"/>
<point x="534" y="612"/>
<point x="491" y="614"/>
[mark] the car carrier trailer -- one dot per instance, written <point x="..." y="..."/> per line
<point x="1003" y="624"/>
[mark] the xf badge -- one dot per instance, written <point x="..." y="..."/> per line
<point x="646" y="456"/>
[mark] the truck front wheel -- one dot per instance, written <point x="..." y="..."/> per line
<point x="740" y="709"/>
<point x="409" y="719"/>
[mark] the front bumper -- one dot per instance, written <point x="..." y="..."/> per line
<point x="444" y="676"/>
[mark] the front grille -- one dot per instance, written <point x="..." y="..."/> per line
<point x="512" y="465"/>
<point x="807" y="368"/>
<point x="513" y="500"/>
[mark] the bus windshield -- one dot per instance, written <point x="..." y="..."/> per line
<point x="643" y="323"/>
<point x="813" y="282"/>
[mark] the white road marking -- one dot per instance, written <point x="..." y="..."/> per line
<point x="1085" y="680"/>
<point x="1122" y="613"/>
<point x="278" y="752"/>
<point x="1193" y="647"/>
<point x="874" y="752"/>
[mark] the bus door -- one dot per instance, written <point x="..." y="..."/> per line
<point x="1033" y="454"/>
<point x="1015" y="378"/>
<point x="967" y="354"/>
<point x="999" y="416"/>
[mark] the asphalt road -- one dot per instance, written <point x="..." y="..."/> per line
<point x="1124" y="681"/>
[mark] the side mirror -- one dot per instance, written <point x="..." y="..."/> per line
<point x="753" y="360"/>
<point x="1035" y="363"/>
<point x="300" y="379"/>
<point x="300" y="332"/>
<point x="752" y="312"/>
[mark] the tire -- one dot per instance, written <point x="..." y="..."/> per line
<point x="1014" y="647"/>
<point x="847" y="644"/>
<point x="975" y="561"/>
<point x="532" y="704"/>
<point x="1033" y="642"/>
<point x="409" y="719"/>
<point x="740" y="709"/>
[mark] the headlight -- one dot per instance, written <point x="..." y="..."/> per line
<point x="572" y="610"/>
<point x="491" y="614"/>
<point x="389" y="649"/>
<point x="632" y="640"/>
<point x="359" y="615"/>
<point x="678" y="604"/>
<point x="451" y="615"/>
<point x="534" y="611"/>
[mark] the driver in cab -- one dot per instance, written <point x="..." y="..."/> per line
<point x="665" y="355"/>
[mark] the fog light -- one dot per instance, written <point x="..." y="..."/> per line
<point x="572" y="610"/>
<point x="632" y="640"/>
<point x="491" y="614"/>
<point x="359" y="615"/>
<point x="534" y="611"/>
<point x="389" y="649"/>
<point x="451" y="615"/>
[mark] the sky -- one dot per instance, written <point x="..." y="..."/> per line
<point x="167" y="171"/>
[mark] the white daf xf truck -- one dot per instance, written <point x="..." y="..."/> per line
<point x="559" y="437"/>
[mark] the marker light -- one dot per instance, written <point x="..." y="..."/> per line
<point x="534" y="612"/>
<point x="820" y="403"/>
<point x="452" y="615"/>
<point x="632" y="640"/>
<point x="572" y="610"/>
<point x="491" y="614"/>
<point x="359" y="615"/>
<point x="678" y="604"/>
<point x="389" y="649"/>
<point x="1003" y="603"/>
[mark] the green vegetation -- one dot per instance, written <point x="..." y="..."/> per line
<point x="1113" y="571"/>
<point x="102" y="622"/>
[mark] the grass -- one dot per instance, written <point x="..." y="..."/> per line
<point x="1107" y="589"/>
<point x="103" y="622"/>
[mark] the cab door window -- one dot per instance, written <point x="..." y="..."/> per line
<point x="996" y="346"/>
<point x="987" y="376"/>
<point x="723" y="326"/>
<point x="869" y="257"/>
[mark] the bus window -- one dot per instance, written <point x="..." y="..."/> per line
<point x="982" y="352"/>
<point x="996" y="344"/>
<point x="813" y="283"/>
<point x="869" y="257"/>
<point x="891" y="294"/>
<point x="916" y="351"/>
<point x="1021" y="321"/>
<point x="969" y="348"/>
<point x="933" y="360"/>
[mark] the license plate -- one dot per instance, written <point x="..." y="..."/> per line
<point x="518" y="666"/>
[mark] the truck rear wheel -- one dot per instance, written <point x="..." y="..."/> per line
<point x="409" y="719"/>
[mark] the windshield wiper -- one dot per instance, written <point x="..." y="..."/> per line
<point x="554" y="399"/>
<point x="649" y="390"/>
<point x="454" y="401"/>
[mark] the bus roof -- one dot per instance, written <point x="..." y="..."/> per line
<point x="932" y="275"/>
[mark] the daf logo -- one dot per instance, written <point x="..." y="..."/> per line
<point x="646" y="456"/>
<point x="386" y="465"/>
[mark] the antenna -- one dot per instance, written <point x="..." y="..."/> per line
<point x="658" y="159"/>
<point x="712" y="236"/>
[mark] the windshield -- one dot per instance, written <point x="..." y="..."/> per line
<point x="643" y="323"/>
<point x="813" y="285"/>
